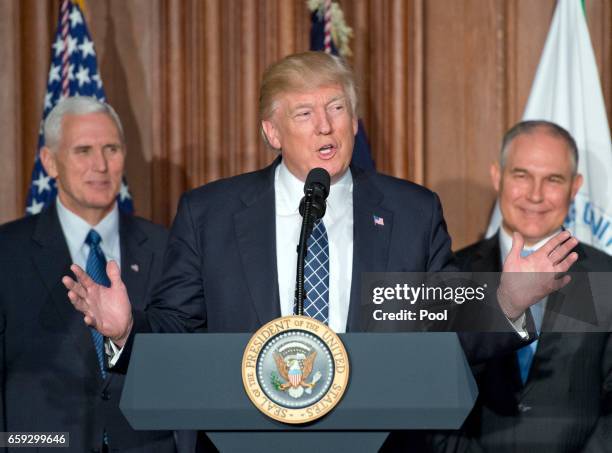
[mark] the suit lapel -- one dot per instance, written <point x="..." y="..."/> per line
<point x="255" y="228"/>
<point x="135" y="261"/>
<point x="52" y="261"/>
<point x="561" y="303"/>
<point x="487" y="258"/>
<point x="370" y="242"/>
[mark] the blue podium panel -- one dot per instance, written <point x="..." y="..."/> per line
<point x="397" y="381"/>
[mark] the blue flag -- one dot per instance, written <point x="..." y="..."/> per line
<point x="362" y="156"/>
<point x="73" y="72"/>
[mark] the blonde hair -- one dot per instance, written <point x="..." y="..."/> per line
<point x="300" y="72"/>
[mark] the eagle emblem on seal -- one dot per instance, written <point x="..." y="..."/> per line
<point x="294" y="363"/>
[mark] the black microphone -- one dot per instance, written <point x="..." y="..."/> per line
<point x="312" y="208"/>
<point x="316" y="187"/>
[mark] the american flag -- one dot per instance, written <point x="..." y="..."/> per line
<point x="73" y="72"/>
<point x="379" y="221"/>
<point x="320" y="39"/>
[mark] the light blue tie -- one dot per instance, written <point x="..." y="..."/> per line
<point x="96" y="269"/>
<point x="526" y="353"/>
<point x="316" y="274"/>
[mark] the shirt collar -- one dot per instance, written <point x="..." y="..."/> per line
<point x="290" y="191"/>
<point x="76" y="229"/>
<point x="505" y="242"/>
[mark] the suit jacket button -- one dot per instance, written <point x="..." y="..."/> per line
<point x="523" y="408"/>
<point x="105" y="395"/>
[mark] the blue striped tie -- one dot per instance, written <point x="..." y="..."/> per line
<point x="96" y="269"/>
<point x="316" y="275"/>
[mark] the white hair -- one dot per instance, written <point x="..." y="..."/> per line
<point x="75" y="105"/>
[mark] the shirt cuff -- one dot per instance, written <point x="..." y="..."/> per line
<point x="113" y="352"/>
<point x="520" y="326"/>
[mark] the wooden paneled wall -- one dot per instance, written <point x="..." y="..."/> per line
<point x="440" y="81"/>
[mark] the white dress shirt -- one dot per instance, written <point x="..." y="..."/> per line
<point x="76" y="230"/>
<point x="338" y="221"/>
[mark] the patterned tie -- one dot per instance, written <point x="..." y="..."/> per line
<point x="316" y="274"/>
<point x="96" y="269"/>
<point x="526" y="353"/>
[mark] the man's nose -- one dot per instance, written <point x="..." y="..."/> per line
<point x="99" y="162"/>
<point x="535" y="191"/>
<point x="324" y="126"/>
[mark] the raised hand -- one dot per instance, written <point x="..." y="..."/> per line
<point x="526" y="280"/>
<point x="107" y="310"/>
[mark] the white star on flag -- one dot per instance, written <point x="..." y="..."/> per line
<point x="58" y="45"/>
<point x="35" y="207"/>
<point x="124" y="192"/>
<point x="42" y="182"/>
<point x="70" y="73"/>
<point x="72" y="44"/>
<point x="97" y="79"/>
<point x="83" y="75"/>
<point x="75" y="18"/>
<point x="86" y="48"/>
<point x="54" y="74"/>
<point x="48" y="98"/>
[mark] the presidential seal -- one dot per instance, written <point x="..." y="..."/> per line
<point x="295" y="369"/>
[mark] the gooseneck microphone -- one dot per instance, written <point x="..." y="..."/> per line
<point x="312" y="208"/>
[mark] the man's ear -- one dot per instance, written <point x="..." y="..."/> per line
<point x="271" y="134"/>
<point x="496" y="174"/>
<point x="576" y="184"/>
<point x="47" y="158"/>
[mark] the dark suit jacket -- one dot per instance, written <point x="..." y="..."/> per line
<point x="220" y="271"/>
<point x="50" y="375"/>
<point x="566" y="403"/>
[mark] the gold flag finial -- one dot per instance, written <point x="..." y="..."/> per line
<point x="81" y="4"/>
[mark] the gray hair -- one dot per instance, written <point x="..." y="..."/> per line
<point x="548" y="127"/>
<point x="76" y="105"/>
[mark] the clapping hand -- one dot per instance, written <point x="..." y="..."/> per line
<point x="107" y="310"/>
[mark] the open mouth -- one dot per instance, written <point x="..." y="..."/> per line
<point x="327" y="151"/>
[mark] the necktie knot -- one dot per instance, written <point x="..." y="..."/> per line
<point x="93" y="238"/>
<point x="526" y="252"/>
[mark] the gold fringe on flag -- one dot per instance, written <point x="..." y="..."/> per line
<point x="341" y="33"/>
<point x="81" y="4"/>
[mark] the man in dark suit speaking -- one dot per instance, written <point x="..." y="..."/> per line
<point x="53" y="374"/>
<point x="555" y="394"/>
<point x="230" y="261"/>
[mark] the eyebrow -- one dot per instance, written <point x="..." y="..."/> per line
<point x="524" y="170"/>
<point x="106" y="145"/>
<point x="310" y="105"/>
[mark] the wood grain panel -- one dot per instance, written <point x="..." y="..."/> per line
<point x="439" y="81"/>
<point x="464" y="115"/>
<point x="11" y="200"/>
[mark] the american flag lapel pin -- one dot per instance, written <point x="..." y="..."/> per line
<point x="379" y="221"/>
<point x="135" y="267"/>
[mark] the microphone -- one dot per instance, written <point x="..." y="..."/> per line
<point x="312" y="208"/>
<point x="317" y="184"/>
